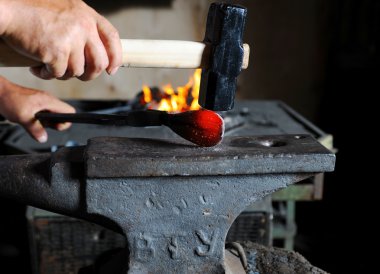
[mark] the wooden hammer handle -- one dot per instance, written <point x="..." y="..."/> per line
<point x="139" y="53"/>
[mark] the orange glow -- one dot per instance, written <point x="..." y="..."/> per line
<point x="176" y="100"/>
<point x="147" y="94"/>
<point x="164" y="105"/>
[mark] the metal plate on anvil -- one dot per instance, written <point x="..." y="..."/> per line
<point x="117" y="157"/>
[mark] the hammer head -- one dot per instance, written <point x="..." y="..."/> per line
<point x="224" y="33"/>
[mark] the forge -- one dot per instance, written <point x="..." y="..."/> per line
<point x="173" y="201"/>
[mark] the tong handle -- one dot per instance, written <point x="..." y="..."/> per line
<point x="82" y="118"/>
<point x="140" y="118"/>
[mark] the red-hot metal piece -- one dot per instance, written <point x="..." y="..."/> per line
<point x="202" y="127"/>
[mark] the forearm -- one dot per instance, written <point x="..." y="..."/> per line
<point x="4" y="89"/>
<point x="3" y="83"/>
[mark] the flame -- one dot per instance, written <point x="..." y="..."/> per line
<point x="176" y="100"/>
<point x="147" y="94"/>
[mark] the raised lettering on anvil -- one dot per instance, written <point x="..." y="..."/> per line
<point x="174" y="248"/>
<point x="208" y="242"/>
<point x="144" y="247"/>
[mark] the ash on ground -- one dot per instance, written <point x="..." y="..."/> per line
<point x="263" y="260"/>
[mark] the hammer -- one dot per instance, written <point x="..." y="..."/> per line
<point x="221" y="55"/>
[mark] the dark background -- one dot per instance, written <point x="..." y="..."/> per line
<point x="322" y="58"/>
<point x="341" y="229"/>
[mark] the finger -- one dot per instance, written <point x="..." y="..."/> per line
<point x="56" y="126"/>
<point x="111" y="41"/>
<point x="68" y="74"/>
<point x="36" y="130"/>
<point x="41" y="72"/>
<point x="63" y="126"/>
<point x="50" y="71"/>
<point x="57" y="106"/>
<point x="56" y="69"/>
<point x="76" y="65"/>
<point x="96" y="59"/>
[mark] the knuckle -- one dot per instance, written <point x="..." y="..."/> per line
<point x="84" y="25"/>
<point x="113" y="34"/>
<point x="78" y="71"/>
<point x="45" y="55"/>
<point x="58" y="73"/>
<point x="101" y="19"/>
<point x="100" y="66"/>
<point x="61" y="53"/>
<point x="24" y="115"/>
<point x="54" y="52"/>
<point x="97" y="70"/>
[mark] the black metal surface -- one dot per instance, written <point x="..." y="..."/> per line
<point x="224" y="31"/>
<point x="178" y="224"/>
<point x="64" y="245"/>
<point x="31" y="178"/>
<point x="174" y="224"/>
<point x="139" y="118"/>
<point x="112" y="157"/>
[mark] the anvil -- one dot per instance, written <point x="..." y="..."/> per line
<point x="173" y="201"/>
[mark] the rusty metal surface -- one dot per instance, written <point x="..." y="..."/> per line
<point x="110" y="157"/>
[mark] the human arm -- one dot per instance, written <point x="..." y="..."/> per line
<point x="19" y="105"/>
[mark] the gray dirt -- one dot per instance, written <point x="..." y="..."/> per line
<point x="272" y="260"/>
